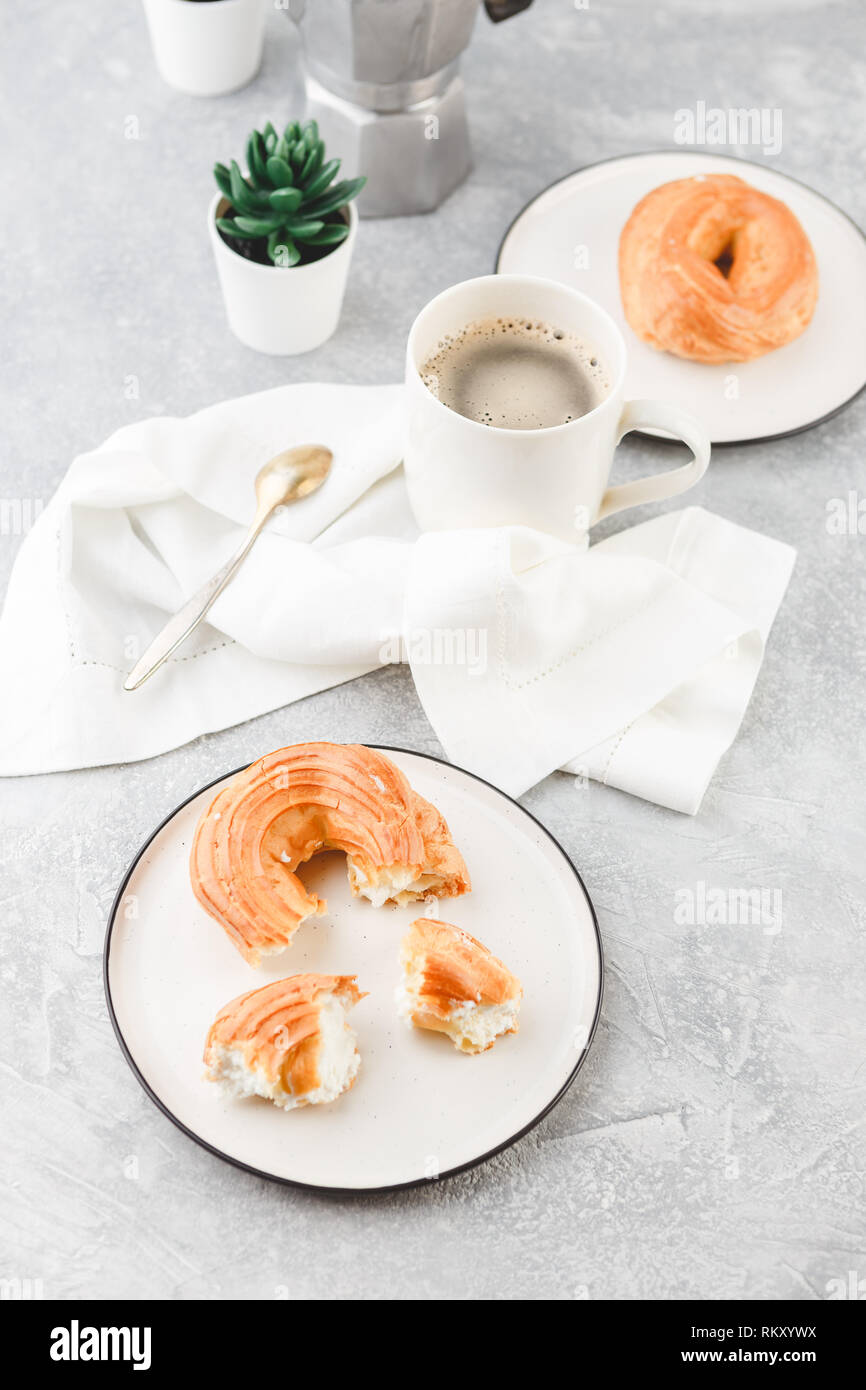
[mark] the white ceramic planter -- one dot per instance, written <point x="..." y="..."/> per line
<point x="206" y="49"/>
<point x="282" y="310"/>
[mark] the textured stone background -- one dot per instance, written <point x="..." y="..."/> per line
<point x="713" y="1143"/>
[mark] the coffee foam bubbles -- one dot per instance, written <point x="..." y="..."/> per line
<point x="516" y="373"/>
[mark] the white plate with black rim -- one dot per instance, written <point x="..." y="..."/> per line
<point x="570" y="232"/>
<point x="419" y="1110"/>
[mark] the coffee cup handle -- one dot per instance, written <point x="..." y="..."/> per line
<point x="641" y="415"/>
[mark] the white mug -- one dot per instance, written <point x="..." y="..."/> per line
<point x="461" y="473"/>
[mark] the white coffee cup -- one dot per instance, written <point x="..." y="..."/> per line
<point x="462" y="473"/>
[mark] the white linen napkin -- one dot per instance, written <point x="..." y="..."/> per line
<point x="631" y="662"/>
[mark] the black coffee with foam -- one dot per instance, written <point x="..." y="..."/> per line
<point x="516" y="374"/>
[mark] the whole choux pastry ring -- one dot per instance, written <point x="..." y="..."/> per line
<point x="713" y="270"/>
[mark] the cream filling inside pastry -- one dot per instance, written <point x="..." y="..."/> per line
<point x="393" y="884"/>
<point x="475" y="1027"/>
<point x="339" y="1058"/>
<point x="471" y="1027"/>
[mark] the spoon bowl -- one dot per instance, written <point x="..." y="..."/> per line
<point x="291" y="475"/>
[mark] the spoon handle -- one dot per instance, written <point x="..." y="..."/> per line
<point x="184" y="622"/>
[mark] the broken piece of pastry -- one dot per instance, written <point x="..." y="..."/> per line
<point x="453" y="985"/>
<point x="288" y="1041"/>
<point x="288" y="806"/>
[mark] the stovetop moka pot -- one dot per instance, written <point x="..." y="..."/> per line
<point x="382" y="79"/>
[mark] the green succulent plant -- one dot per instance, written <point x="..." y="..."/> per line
<point x="286" y="209"/>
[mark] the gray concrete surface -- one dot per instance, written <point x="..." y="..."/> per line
<point x="713" y="1143"/>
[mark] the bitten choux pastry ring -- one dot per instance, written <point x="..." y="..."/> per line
<point x="289" y="805"/>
